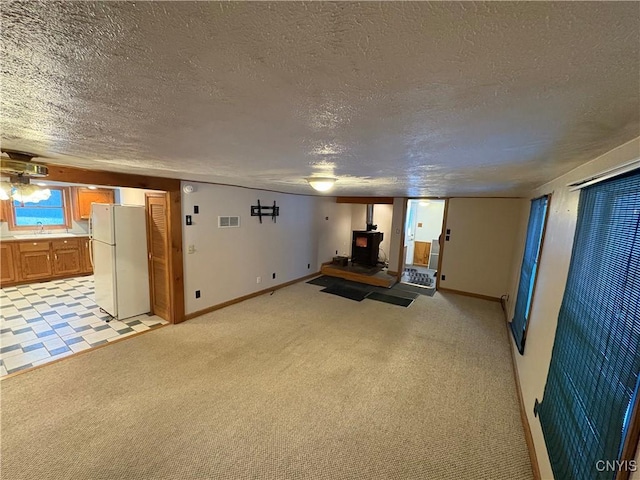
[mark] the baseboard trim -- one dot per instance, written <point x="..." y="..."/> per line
<point x="393" y="274"/>
<point x="528" y="438"/>
<point x="469" y="294"/>
<point x="228" y="303"/>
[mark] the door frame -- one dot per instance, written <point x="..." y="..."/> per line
<point x="171" y="189"/>
<point x="401" y="256"/>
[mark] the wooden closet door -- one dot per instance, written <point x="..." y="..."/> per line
<point x="420" y="248"/>
<point x="158" y="246"/>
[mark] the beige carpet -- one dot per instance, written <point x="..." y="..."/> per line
<point x="295" y="385"/>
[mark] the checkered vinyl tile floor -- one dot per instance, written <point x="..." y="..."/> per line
<point x="42" y="322"/>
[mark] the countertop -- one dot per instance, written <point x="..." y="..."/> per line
<point x="41" y="236"/>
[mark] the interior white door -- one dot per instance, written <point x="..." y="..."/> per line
<point x="104" y="275"/>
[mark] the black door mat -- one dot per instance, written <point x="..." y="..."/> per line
<point x="346" y="291"/>
<point x="392" y="299"/>
<point x="397" y="291"/>
<point x="403" y="287"/>
<point x="324" y="280"/>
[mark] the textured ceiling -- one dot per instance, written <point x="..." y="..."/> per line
<point x="392" y="98"/>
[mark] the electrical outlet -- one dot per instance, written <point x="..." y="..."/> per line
<point x="443" y="277"/>
<point x="189" y="222"/>
<point x="197" y="293"/>
<point x="258" y="279"/>
<point x="274" y="275"/>
<point x="191" y="249"/>
<point x="196" y="209"/>
<point x="308" y="266"/>
<point x="336" y="252"/>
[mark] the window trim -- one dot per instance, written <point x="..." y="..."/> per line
<point x="66" y="208"/>
<point x="543" y="234"/>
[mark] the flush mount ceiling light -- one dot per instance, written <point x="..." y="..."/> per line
<point x="321" y="184"/>
<point x="20" y="170"/>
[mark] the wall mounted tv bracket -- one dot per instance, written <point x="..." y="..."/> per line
<point x="261" y="211"/>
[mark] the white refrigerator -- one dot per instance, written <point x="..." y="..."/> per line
<point x="119" y="257"/>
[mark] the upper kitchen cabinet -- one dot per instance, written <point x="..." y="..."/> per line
<point x="84" y="197"/>
<point x="4" y="210"/>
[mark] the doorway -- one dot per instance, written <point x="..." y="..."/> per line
<point x="423" y="227"/>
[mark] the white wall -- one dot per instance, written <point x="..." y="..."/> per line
<point x="383" y="217"/>
<point x="410" y="231"/>
<point x="484" y="234"/>
<point x="132" y="196"/>
<point x="430" y="216"/>
<point x="227" y="261"/>
<point x="395" y="240"/>
<point x="533" y="366"/>
<point x="334" y="235"/>
<point x="359" y="216"/>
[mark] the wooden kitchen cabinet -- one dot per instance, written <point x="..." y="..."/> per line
<point x="85" y="245"/>
<point x="7" y="265"/>
<point x="5" y="208"/>
<point x="84" y="197"/>
<point x="66" y="257"/>
<point x="24" y="261"/>
<point x="34" y="260"/>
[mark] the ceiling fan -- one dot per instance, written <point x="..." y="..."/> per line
<point x="17" y="165"/>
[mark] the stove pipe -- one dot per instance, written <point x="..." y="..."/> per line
<point x="370" y="225"/>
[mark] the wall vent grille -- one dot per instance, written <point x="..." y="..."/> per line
<point x="228" y="222"/>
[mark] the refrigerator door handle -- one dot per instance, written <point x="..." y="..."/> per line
<point x="91" y="252"/>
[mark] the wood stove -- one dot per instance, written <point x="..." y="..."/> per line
<point x="365" y="247"/>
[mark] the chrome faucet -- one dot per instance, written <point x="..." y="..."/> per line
<point x="40" y="227"/>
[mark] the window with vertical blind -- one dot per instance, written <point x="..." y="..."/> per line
<point x="592" y="382"/>
<point x="529" y="270"/>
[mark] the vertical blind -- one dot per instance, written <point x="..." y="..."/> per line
<point x="593" y="374"/>
<point x="529" y="270"/>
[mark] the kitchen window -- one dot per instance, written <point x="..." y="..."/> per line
<point x="47" y="214"/>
